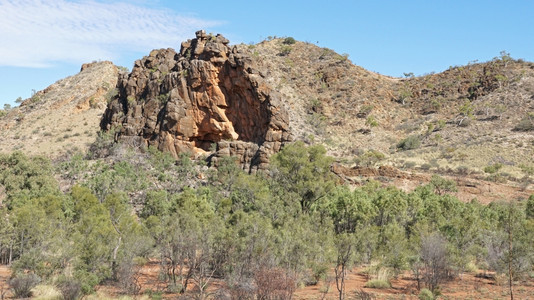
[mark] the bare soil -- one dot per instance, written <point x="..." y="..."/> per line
<point x="466" y="286"/>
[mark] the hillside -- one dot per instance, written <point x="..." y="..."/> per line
<point x="64" y="117"/>
<point x="353" y="111"/>
<point x="456" y="123"/>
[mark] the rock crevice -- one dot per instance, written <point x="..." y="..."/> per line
<point x="207" y="93"/>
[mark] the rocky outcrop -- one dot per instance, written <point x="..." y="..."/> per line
<point x="358" y="171"/>
<point x="207" y="94"/>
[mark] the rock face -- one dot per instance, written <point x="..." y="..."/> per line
<point x="208" y="93"/>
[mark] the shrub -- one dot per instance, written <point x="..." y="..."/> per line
<point x="442" y="186"/>
<point x="529" y="210"/>
<point x="163" y="98"/>
<point x="426" y="294"/>
<point x="128" y="273"/>
<point x="22" y="285"/>
<point x="369" y="158"/>
<point x="526" y="124"/>
<point x="320" y="271"/>
<point x="410" y="142"/>
<point x="377" y="284"/>
<point x="111" y="94"/>
<point x="492" y="169"/>
<point x="70" y="288"/>
<point x="93" y="103"/>
<point x="465" y="122"/>
<point x="87" y="280"/>
<point x="463" y="170"/>
<point x="426" y="166"/>
<point x="371" y="121"/>
<point x="289" y="41"/>
<point x="273" y="283"/>
<point x="285" y="50"/>
<point x="365" y="110"/>
<point x="409" y="164"/>
<point x="362" y="295"/>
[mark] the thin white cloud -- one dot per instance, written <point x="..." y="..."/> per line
<point x="38" y="33"/>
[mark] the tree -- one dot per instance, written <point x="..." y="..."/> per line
<point x="393" y="247"/>
<point x="157" y="204"/>
<point x="345" y="255"/>
<point x="348" y="210"/>
<point x="26" y="177"/>
<point x="303" y="172"/>
<point x="186" y="247"/>
<point x="39" y="232"/>
<point x="435" y="265"/>
<point x="465" y="113"/>
<point x="442" y="185"/>
<point x="7" y="237"/>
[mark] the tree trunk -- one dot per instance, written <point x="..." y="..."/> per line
<point x="510" y="248"/>
<point x="22" y="242"/>
<point x="114" y="262"/>
<point x="10" y="253"/>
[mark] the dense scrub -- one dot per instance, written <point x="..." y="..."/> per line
<point x="261" y="234"/>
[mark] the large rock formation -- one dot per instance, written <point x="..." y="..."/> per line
<point x="208" y="93"/>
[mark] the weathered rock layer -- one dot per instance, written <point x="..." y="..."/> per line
<point x="208" y="93"/>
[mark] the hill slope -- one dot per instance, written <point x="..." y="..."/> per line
<point x="458" y="122"/>
<point x="63" y="117"/>
<point x="466" y="117"/>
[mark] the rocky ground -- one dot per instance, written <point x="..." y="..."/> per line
<point x="62" y="118"/>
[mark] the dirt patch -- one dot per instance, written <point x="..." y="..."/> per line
<point x="465" y="286"/>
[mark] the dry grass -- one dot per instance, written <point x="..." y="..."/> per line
<point x="46" y="292"/>
<point x="65" y="118"/>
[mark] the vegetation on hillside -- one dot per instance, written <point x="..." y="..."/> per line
<point x="291" y="225"/>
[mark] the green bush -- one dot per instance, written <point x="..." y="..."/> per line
<point x="289" y="41"/>
<point x="410" y="142"/>
<point x="369" y="158"/>
<point x="377" y="284"/>
<point x="492" y="169"/>
<point x="426" y="294"/>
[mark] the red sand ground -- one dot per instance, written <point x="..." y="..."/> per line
<point x="467" y="286"/>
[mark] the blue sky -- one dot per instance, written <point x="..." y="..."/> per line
<point x="44" y="41"/>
